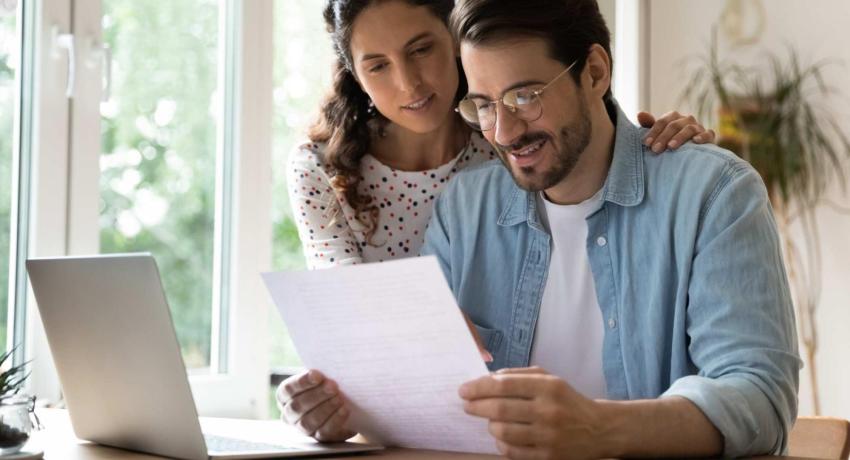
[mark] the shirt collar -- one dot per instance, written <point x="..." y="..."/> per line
<point x="623" y="186"/>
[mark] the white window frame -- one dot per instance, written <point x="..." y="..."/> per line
<point x="20" y="186"/>
<point x="631" y="55"/>
<point x="65" y="192"/>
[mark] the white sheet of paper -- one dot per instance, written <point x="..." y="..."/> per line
<point x="394" y="339"/>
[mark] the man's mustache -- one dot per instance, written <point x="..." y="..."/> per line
<point x="524" y="141"/>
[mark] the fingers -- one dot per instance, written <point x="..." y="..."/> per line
<point x="319" y="412"/>
<point x="519" y="452"/>
<point x="298" y="384"/>
<point x="684" y="134"/>
<point x="331" y="419"/>
<point x="334" y="429"/>
<point x="645" y="119"/>
<point x="518" y="434"/>
<point x="658" y="127"/>
<point x="524" y="386"/>
<point x="675" y="132"/>
<point x="501" y="409"/>
<point x="312" y="420"/>
<point x="665" y="138"/>
<point x="522" y="370"/>
<point x="706" y="137"/>
<point x="299" y="406"/>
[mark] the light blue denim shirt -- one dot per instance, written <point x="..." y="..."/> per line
<point x="688" y="272"/>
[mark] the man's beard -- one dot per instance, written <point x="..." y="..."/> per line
<point x="574" y="139"/>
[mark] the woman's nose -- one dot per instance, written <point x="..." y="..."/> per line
<point x="409" y="78"/>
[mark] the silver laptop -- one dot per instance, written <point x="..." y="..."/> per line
<point x="125" y="385"/>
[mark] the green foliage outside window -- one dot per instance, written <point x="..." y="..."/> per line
<point x="302" y="65"/>
<point x="159" y="150"/>
<point x="159" y="141"/>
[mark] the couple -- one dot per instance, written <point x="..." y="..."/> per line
<point x="647" y="293"/>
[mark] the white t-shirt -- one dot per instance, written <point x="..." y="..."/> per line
<point x="569" y="331"/>
<point x="329" y="231"/>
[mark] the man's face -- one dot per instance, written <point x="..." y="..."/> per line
<point x="539" y="153"/>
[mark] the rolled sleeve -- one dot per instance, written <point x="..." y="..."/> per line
<point x="739" y="409"/>
<point x="740" y="321"/>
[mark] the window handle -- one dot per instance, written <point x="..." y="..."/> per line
<point x="65" y="42"/>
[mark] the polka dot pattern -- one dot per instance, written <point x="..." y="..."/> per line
<point x="331" y="235"/>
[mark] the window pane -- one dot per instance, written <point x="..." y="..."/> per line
<point x="302" y="67"/>
<point x="10" y="48"/>
<point x="159" y="150"/>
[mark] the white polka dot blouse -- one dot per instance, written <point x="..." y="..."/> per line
<point x="329" y="231"/>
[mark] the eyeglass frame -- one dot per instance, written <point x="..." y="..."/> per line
<point x="501" y="100"/>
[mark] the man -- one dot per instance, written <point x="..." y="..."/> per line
<point x="651" y="289"/>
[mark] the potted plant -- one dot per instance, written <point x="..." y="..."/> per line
<point x="773" y="115"/>
<point x="15" y="409"/>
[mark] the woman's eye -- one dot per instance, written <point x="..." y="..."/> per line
<point x="377" y="68"/>
<point x="421" y="50"/>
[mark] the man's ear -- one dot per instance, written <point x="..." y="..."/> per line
<point x="599" y="70"/>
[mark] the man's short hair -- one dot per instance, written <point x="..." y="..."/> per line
<point x="570" y="27"/>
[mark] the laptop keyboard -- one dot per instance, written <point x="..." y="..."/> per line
<point x="223" y="444"/>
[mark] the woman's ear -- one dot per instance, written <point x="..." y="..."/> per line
<point x="599" y="69"/>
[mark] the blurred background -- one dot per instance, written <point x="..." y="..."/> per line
<point x="764" y="38"/>
<point x="165" y="126"/>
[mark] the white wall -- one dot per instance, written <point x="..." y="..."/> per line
<point x="817" y="29"/>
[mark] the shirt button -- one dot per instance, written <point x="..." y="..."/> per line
<point x="612" y="323"/>
<point x="601" y="241"/>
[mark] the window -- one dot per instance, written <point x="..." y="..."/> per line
<point x="158" y="162"/>
<point x="302" y="74"/>
<point x="152" y="134"/>
<point x="10" y="52"/>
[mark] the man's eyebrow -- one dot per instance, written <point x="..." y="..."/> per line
<point x="516" y="85"/>
<point x="416" y="38"/>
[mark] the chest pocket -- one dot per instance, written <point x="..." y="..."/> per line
<point x="491" y="338"/>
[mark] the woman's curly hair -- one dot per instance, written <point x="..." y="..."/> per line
<point x="346" y="123"/>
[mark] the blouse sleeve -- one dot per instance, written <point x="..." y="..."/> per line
<point x="326" y="238"/>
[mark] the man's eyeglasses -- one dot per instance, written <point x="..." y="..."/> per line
<point x="523" y="103"/>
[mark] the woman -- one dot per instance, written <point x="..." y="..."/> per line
<point x="386" y="143"/>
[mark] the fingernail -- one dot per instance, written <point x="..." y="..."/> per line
<point x="463" y="391"/>
<point x="488" y="357"/>
<point x="658" y="148"/>
<point x="329" y="389"/>
<point x="648" y="141"/>
<point x="673" y="144"/>
<point x="343" y="412"/>
<point x="312" y="378"/>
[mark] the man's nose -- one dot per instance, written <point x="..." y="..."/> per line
<point x="508" y="127"/>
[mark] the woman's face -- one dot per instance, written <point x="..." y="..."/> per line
<point x="405" y="60"/>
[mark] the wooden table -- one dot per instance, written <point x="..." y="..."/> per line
<point x="58" y="441"/>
